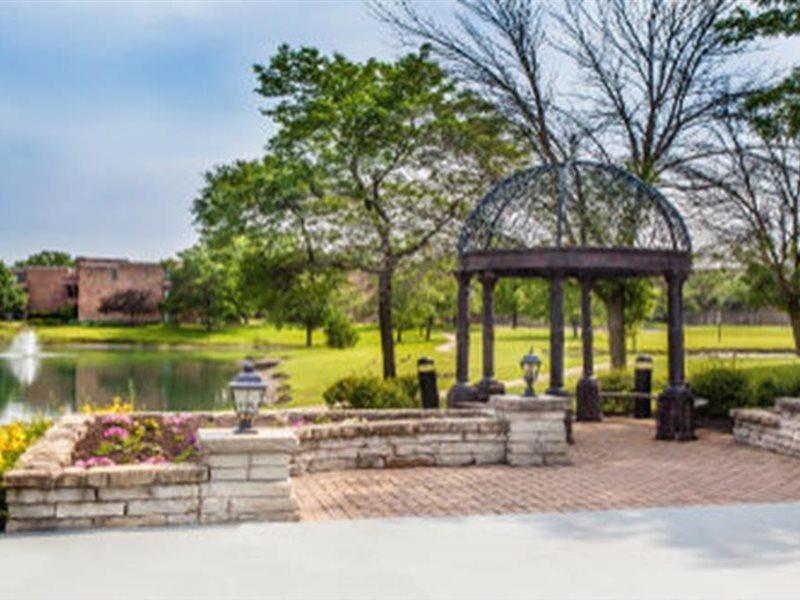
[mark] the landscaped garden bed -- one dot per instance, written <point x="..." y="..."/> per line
<point x="124" y="470"/>
<point x="119" y="439"/>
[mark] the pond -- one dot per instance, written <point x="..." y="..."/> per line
<point x="64" y="378"/>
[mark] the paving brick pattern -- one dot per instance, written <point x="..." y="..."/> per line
<point x="617" y="464"/>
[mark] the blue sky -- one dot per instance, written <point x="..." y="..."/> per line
<point x="111" y="112"/>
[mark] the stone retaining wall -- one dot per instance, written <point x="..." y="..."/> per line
<point x="241" y="478"/>
<point x="247" y="477"/>
<point x="777" y="430"/>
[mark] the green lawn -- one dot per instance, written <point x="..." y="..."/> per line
<point x="311" y="370"/>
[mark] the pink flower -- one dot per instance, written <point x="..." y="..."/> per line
<point x="299" y="423"/>
<point x="116" y="419"/>
<point x="117" y="432"/>
<point x="94" y="461"/>
<point x="155" y="460"/>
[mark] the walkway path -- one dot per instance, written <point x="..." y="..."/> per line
<point x="617" y="464"/>
<point x="744" y="552"/>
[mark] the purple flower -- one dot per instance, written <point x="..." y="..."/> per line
<point x="117" y="432"/>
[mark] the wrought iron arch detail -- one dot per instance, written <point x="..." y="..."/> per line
<point x="578" y="204"/>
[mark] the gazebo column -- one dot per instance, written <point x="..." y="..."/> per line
<point x="487" y="385"/>
<point x="462" y="391"/>
<point x="674" y="417"/>
<point x="588" y="390"/>
<point x="557" y="335"/>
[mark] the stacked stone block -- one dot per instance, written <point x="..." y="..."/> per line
<point x="442" y="442"/>
<point x="536" y="429"/>
<point x="122" y="496"/>
<point x="777" y="430"/>
<point x="248" y="476"/>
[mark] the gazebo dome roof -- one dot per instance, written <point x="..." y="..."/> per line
<point x="579" y="204"/>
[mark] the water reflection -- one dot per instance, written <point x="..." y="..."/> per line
<point x="64" y="379"/>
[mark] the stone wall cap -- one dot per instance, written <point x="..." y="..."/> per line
<point x="759" y="416"/>
<point x="517" y="403"/>
<point x="267" y="439"/>
<point x="790" y="405"/>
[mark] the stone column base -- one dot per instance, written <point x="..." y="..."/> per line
<point x="589" y="401"/>
<point x="462" y="395"/>
<point x="675" y="415"/>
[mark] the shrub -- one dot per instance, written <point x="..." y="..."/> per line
<point x="410" y="386"/>
<point x="369" y="392"/>
<point x="617" y="380"/>
<point x="339" y="332"/>
<point x="724" y="388"/>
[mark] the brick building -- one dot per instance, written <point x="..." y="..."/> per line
<point x="54" y="290"/>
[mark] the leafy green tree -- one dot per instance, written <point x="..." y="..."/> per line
<point x="202" y="289"/>
<point x="774" y="108"/>
<point x="46" y="258"/>
<point x="13" y="299"/>
<point x="515" y="297"/>
<point x="371" y="164"/>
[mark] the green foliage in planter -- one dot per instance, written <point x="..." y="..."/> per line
<point x="370" y="392"/>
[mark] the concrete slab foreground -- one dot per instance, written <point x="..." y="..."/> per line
<point x="742" y="551"/>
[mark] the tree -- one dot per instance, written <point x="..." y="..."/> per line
<point x="515" y="297"/>
<point x="748" y="196"/>
<point x="13" y="300"/>
<point x="372" y="162"/>
<point x="716" y="289"/>
<point x="46" y="258"/>
<point x="202" y="289"/>
<point x="773" y="107"/>
<point x="131" y="302"/>
<point x="653" y="74"/>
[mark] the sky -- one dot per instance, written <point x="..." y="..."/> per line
<point x="110" y="113"/>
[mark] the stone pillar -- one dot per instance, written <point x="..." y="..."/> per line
<point x="462" y="391"/>
<point x="557" y="336"/>
<point x="588" y="390"/>
<point x="248" y="476"/>
<point x="674" y="416"/>
<point x="488" y="386"/>
<point x="537" y="430"/>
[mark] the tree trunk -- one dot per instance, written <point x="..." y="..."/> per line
<point x="385" y="321"/>
<point x="309" y="336"/>
<point x="794" y="319"/>
<point x="399" y="336"/>
<point x="615" y="309"/>
<point x="428" y="328"/>
<point x="513" y="319"/>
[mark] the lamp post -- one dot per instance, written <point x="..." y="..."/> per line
<point x="247" y="392"/>
<point x="531" y="365"/>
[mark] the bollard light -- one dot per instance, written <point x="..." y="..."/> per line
<point x="247" y="392"/>
<point x="530" y="364"/>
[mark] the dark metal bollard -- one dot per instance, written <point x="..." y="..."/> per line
<point x="643" y="384"/>
<point x="427" y="383"/>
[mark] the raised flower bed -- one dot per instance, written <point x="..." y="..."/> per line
<point x="119" y="439"/>
<point x="161" y="469"/>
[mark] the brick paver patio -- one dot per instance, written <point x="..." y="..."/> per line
<point x="616" y="465"/>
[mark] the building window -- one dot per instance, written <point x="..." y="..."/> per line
<point x="72" y="291"/>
